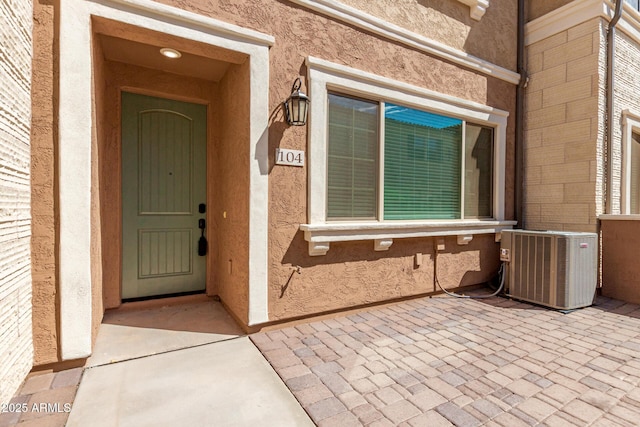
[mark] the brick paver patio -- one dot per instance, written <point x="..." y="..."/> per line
<point x="443" y="361"/>
<point x="436" y="362"/>
<point x="44" y="400"/>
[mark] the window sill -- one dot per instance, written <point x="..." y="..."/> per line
<point x="320" y="236"/>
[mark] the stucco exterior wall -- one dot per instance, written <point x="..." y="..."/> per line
<point x="449" y="22"/>
<point x="564" y="129"/>
<point x="538" y="8"/>
<point x="620" y="267"/>
<point x="230" y="209"/>
<point x="16" y="347"/>
<point x="353" y="274"/>
<point x="43" y="191"/>
<point x="99" y="123"/>
<point x="300" y="32"/>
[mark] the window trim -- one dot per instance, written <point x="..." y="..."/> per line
<point x="630" y="123"/>
<point x="325" y="77"/>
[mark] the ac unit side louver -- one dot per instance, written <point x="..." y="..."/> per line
<point x="551" y="268"/>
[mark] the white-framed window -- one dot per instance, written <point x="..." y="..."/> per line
<point x="630" y="163"/>
<point x="392" y="160"/>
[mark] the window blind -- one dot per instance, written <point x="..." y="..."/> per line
<point x="352" y="158"/>
<point x="422" y="161"/>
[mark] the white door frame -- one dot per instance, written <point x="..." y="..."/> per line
<point x="74" y="148"/>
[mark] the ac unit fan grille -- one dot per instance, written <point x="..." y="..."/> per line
<point x="561" y="273"/>
<point x="533" y="255"/>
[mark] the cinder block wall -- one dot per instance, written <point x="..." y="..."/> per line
<point x="16" y="345"/>
<point x="564" y="130"/>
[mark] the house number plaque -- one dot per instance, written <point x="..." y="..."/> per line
<point x="289" y="157"/>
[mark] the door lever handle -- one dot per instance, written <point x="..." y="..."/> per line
<point x="202" y="223"/>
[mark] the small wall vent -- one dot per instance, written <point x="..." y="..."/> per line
<point x="551" y="268"/>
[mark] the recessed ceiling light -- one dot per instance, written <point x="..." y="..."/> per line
<point x="170" y="53"/>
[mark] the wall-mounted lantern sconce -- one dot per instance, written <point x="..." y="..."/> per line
<point x="297" y="105"/>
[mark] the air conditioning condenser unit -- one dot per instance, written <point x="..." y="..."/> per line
<point x="551" y="268"/>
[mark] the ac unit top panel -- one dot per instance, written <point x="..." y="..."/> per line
<point x="551" y="233"/>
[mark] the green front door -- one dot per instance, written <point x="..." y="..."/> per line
<point x="163" y="185"/>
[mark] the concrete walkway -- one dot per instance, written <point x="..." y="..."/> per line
<point x="180" y="365"/>
<point x="163" y="364"/>
<point x="444" y="361"/>
<point x="227" y="383"/>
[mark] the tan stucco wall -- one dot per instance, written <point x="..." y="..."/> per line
<point x="300" y="32"/>
<point x="99" y="124"/>
<point x="620" y="266"/>
<point x="16" y="346"/>
<point x="109" y="171"/>
<point x="564" y="130"/>
<point x="230" y="206"/>
<point x="43" y="190"/>
<point x="354" y="274"/>
<point x="538" y="8"/>
<point x="449" y="22"/>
